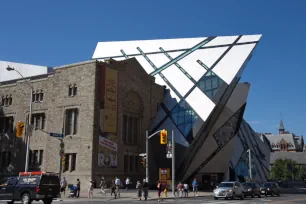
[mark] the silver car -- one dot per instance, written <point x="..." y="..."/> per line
<point x="230" y="189"/>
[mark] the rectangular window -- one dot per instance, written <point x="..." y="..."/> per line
<point x="130" y="132"/>
<point x="73" y="162"/>
<point x="66" y="163"/>
<point x="38" y="120"/>
<point x="131" y="164"/>
<point x="72" y="117"/>
<point x="75" y="90"/>
<point x="41" y="157"/>
<point x="6" y="124"/>
<point x="126" y="163"/>
<point x="35" y="157"/>
<point x="41" y="96"/>
<point x="70" y="91"/>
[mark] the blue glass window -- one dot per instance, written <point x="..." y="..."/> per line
<point x="184" y="117"/>
<point x="210" y="84"/>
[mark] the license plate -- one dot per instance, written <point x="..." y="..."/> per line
<point x="221" y="194"/>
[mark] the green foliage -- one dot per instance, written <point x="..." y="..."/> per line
<point x="280" y="170"/>
<point x="302" y="173"/>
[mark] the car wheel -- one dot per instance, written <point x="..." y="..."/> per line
<point x="233" y="196"/>
<point x="252" y="195"/>
<point x="259" y="195"/>
<point x="26" y="199"/>
<point x="10" y="202"/>
<point x="242" y="196"/>
<point x="278" y="195"/>
<point x="215" y="198"/>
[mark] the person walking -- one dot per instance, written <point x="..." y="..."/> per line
<point x="102" y="186"/>
<point x="186" y="189"/>
<point x="113" y="189"/>
<point x="159" y="190"/>
<point x="118" y="185"/>
<point x="195" y="187"/>
<point x="78" y="188"/>
<point x="90" y="189"/>
<point x="63" y="185"/>
<point x="127" y="183"/>
<point x="180" y="189"/>
<point x="145" y="189"/>
<point x="139" y="190"/>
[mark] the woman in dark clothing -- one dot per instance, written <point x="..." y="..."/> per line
<point x="159" y="190"/>
<point x="113" y="189"/>
<point x="145" y="189"/>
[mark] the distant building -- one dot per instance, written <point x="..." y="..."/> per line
<point x="285" y="141"/>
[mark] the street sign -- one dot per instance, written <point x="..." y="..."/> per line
<point x="57" y="135"/>
<point x="169" y="150"/>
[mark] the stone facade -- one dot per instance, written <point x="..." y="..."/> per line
<point x="137" y="92"/>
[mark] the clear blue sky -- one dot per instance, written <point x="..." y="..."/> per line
<point x="62" y="32"/>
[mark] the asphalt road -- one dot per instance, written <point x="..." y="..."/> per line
<point x="284" y="199"/>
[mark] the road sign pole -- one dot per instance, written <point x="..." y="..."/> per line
<point x="173" y="164"/>
<point x="147" y="156"/>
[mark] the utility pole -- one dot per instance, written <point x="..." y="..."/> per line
<point x="250" y="164"/>
<point x="173" y="164"/>
<point x="147" y="157"/>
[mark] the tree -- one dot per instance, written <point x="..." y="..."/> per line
<point x="302" y="173"/>
<point x="284" y="169"/>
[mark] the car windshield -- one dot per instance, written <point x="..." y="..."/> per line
<point x="226" y="185"/>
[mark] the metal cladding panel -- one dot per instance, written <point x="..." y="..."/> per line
<point x="222" y="40"/>
<point x="178" y="79"/>
<point x="202" y="105"/>
<point x="249" y="38"/>
<point x="27" y="70"/>
<point x="229" y="66"/>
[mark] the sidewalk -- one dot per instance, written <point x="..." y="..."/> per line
<point x="125" y="195"/>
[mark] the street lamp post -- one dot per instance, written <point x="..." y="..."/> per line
<point x="250" y="164"/>
<point x="29" y="119"/>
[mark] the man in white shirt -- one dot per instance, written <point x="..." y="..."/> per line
<point x="118" y="184"/>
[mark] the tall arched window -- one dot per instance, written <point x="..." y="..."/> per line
<point x="132" y="119"/>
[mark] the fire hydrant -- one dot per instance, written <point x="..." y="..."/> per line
<point x="165" y="193"/>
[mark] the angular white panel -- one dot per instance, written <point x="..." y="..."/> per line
<point x="222" y="40"/>
<point x="200" y="103"/>
<point x="249" y="38"/>
<point x="230" y="64"/>
<point x="211" y="55"/>
<point x="178" y="79"/>
<point x="171" y="99"/>
<point x="111" y="49"/>
<point x="158" y="59"/>
<point x="145" y="64"/>
<point x="190" y="65"/>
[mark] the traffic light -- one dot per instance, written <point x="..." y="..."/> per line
<point x="163" y="137"/>
<point x="143" y="161"/>
<point x="20" y="129"/>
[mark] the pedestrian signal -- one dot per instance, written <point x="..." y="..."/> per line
<point x="19" y="129"/>
<point x="163" y="137"/>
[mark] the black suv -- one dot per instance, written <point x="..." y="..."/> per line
<point x="270" y="188"/>
<point x="251" y="189"/>
<point x="30" y="186"/>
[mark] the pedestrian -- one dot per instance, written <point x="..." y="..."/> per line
<point x="186" y="188"/>
<point x="139" y="190"/>
<point x="159" y="190"/>
<point x="63" y="185"/>
<point x="180" y="189"/>
<point x="102" y="186"/>
<point x="195" y="187"/>
<point x="90" y="189"/>
<point x="78" y="187"/>
<point x="118" y="185"/>
<point x="145" y="189"/>
<point x="113" y="189"/>
<point x="127" y="183"/>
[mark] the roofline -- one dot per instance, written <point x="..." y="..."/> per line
<point x="13" y="81"/>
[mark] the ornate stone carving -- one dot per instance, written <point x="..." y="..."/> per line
<point x="132" y="102"/>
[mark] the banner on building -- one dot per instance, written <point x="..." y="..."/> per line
<point x="108" y="147"/>
<point x="110" y="101"/>
<point x="164" y="177"/>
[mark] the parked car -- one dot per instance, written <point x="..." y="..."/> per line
<point x="30" y="186"/>
<point x="229" y="190"/>
<point x="270" y="188"/>
<point x="251" y="189"/>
